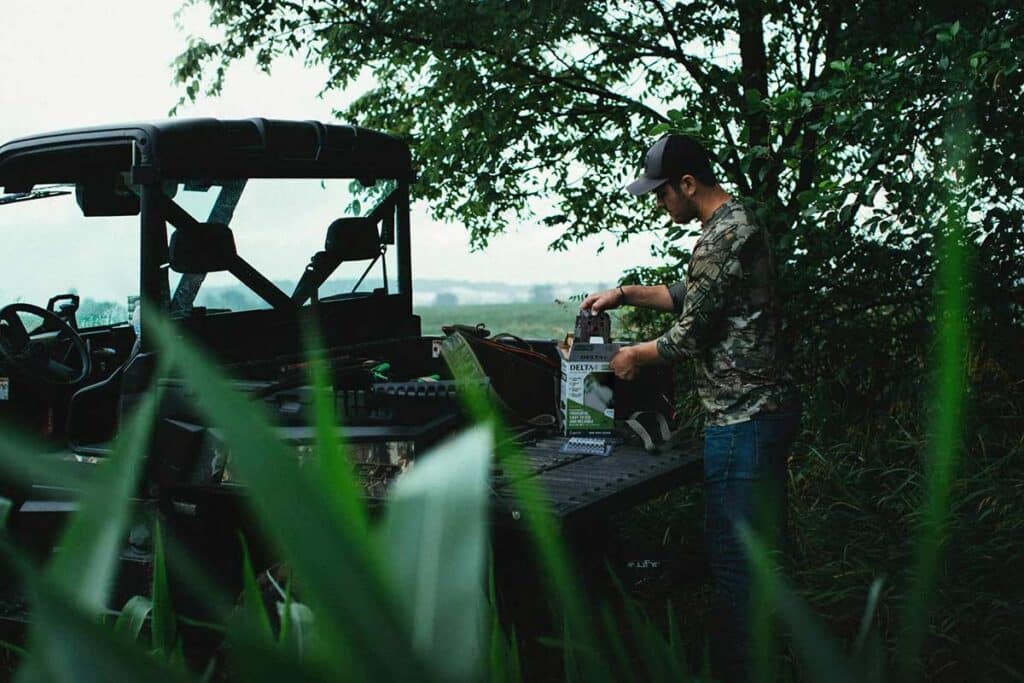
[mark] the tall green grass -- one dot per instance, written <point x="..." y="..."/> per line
<point x="376" y="615"/>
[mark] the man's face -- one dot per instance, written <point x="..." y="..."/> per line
<point x="676" y="199"/>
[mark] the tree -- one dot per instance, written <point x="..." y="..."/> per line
<point x="835" y="116"/>
<point x="446" y="299"/>
<point x="542" y="294"/>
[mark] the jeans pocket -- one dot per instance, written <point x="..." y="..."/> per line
<point x="719" y="453"/>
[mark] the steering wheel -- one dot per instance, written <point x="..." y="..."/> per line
<point x="31" y="357"/>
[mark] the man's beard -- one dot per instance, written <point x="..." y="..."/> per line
<point x="687" y="212"/>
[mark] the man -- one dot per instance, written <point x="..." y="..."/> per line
<point x="729" y="326"/>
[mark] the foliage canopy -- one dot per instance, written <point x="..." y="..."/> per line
<point x="837" y="117"/>
<point x="814" y="107"/>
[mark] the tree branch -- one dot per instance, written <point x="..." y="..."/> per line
<point x="579" y="83"/>
<point x="732" y="163"/>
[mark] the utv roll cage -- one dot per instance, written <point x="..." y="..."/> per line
<point x="124" y="170"/>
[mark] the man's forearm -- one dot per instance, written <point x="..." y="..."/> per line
<point x="648" y="296"/>
<point x="646" y="353"/>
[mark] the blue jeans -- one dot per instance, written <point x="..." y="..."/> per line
<point x="744" y="480"/>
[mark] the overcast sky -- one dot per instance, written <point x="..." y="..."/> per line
<point x="69" y="63"/>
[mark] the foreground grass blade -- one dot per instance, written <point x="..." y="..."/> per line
<point x="556" y="567"/>
<point x="89" y="549"/>
<point x="189" y="575"/>
<point x="298" y="626"/>
<point x="947" y="415"/>
<point x="133" y="616"/>
<point x="73" y="646"/>
<point x="503" y="665"/>
<point x="657" y="655"/>
<point x="252" y="660"/>
<point x="165" y="624"/>
<point x="69" y="643"/>
<point x="252" y="599"/>
<point x="342" y="485"/>
<point x="26" y="461"/>
<point x="435" y="528"/>
<point x="868" y="618"/>
<point x="340" y="573"/>
<point x="824" y="659"/>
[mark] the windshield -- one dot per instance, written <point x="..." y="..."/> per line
<point x="50" y="248"/>
<point x="278" y="226"/>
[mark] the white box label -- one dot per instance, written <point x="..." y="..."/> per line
<point x="587" y="394"/>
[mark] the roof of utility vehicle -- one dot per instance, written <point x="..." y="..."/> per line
<point x="205" y="148"/>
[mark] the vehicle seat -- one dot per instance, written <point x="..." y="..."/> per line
<point x="95" y="411"/>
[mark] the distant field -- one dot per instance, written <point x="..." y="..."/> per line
<point x="528" y="320"/>
<point x="533" y="320"/>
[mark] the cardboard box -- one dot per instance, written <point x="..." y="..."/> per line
<point x="587" y="395"/>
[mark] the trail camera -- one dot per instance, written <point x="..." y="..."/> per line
<point x="590" y="325"/>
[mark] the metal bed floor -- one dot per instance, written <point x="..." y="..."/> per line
<point x="579" y="486"/>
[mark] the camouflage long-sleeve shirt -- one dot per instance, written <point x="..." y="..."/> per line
<point x="729" y="320"/>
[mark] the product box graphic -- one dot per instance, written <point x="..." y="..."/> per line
<point x="587" y="396"/>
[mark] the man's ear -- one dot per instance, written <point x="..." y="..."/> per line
<point x="688" y="185"/>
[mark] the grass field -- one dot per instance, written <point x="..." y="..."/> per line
<point x="531" y="320"/>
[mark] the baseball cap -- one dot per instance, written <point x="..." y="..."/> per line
<point x="669" y="158"/>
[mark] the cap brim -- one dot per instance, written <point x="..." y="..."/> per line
<point x="643" y="185"/>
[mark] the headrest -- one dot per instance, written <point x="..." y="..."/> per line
<point x="202" y="248"/>
<point x="106" y="196"/>
<point x="353" y="239"/>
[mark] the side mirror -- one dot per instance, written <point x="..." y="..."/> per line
<point x="202" y="248"/>
<point x="67" y="310"/>
<point x="353" y="239"/>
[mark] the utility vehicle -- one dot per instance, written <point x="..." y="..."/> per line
<point x="235" y="231"/>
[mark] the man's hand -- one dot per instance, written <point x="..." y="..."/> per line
<point x="603" y="301"/>
<point x="628" y="360"/>
<point x="624" y="363"/>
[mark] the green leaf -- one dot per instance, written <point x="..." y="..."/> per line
<point x="867" y="619"/>
<point x="301" y="633"/>
<point x="5" y="512"/>
<point x="285" y="615"/>
<point x="436" y="525"/>
<point x="165" y="627"/>
<point x="252" y="598"/>
<point x="839" y="65"/>
<point x="133" y="616"/>
<point x="753" y="99"/>
<point x="617" y="654"/>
